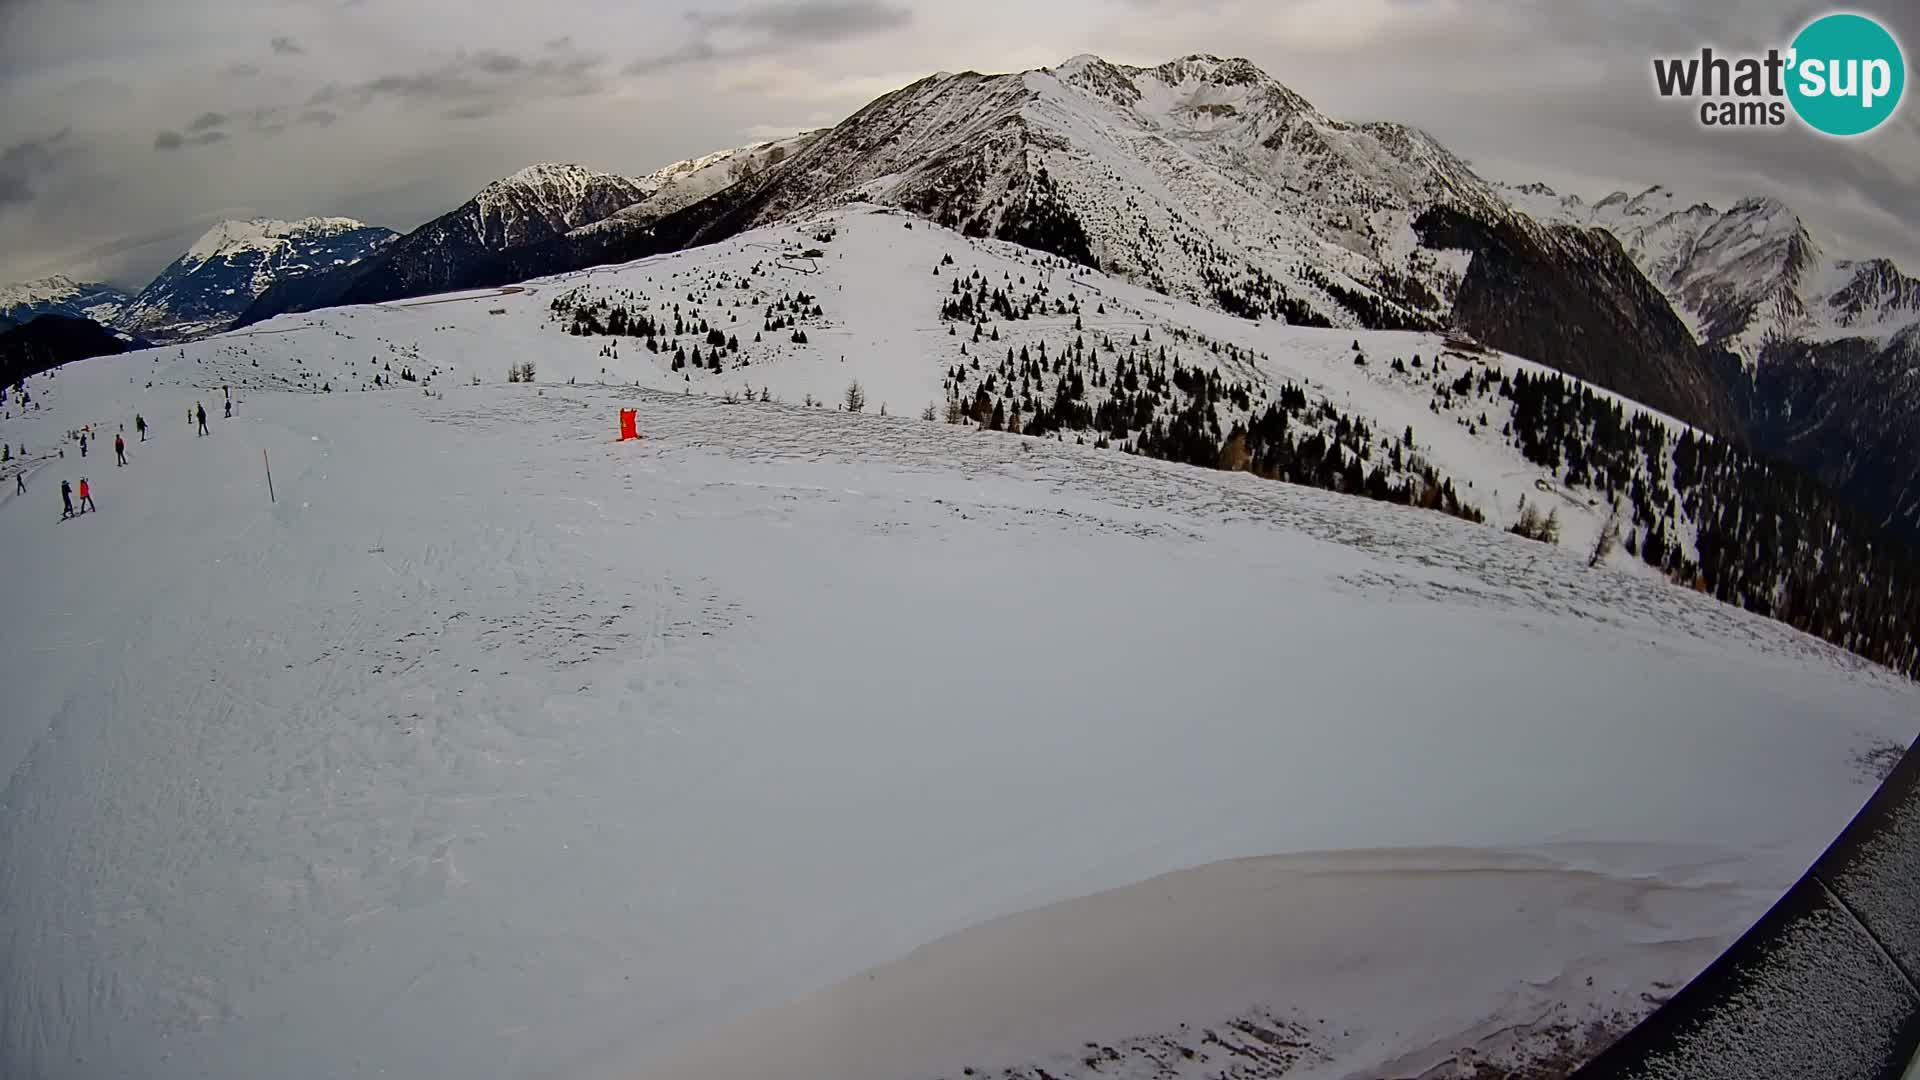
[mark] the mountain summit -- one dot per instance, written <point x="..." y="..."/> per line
<point x="233" y="262"/>
<point x="1205" y="179"/>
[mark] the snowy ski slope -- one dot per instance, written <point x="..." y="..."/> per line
<point x="494" y="748"/>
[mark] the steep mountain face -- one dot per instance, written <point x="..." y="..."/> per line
<point x="1574" y="300"/>
<point x="1742" y="275"/>
<point x="1848" y="411"/>
<point x="204" y="290"/>
<point x="47" y="341"/>
<point x="1202" y="177"/>
<point x="1818" y="353"/>
<point x="62" y="295"/>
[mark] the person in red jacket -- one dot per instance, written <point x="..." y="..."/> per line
<point x="86" y="497"/>
<point x="119" y="449"/>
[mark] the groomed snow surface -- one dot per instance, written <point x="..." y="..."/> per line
<point x="790" y="743"/>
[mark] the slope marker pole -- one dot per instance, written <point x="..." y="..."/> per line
<point x="269" y="465"/>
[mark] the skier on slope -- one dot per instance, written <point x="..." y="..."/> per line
<point x="20" y="482"/>
<point x="229" y="408"/>
<point x="140" y="425"/>
<point x="66" y="500"/>
<point x="119" y="450"/>
<point x="200" y="412"/>
<point x="86" y="497"/>
<point x="83" y="446"/>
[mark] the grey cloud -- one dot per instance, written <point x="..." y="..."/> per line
<point x="690" y="53"/>
<point x="240" y="71"/>
<point x="489" y="79"/>
<point x="210" y="127"/>
<point x="25" y="162"/>
<point x="774" y="27"/>
<point x="475" y="111"/>
<point x="316" y="117"/>
<point x="810" y="20"/>
<point x="499" y="63"/>
<point x="286" y="46"/>
<point x="173" y="140"/>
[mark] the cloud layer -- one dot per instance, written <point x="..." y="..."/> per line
<point x="131" y="126"/>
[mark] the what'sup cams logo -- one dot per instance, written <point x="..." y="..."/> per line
<point x="1843" y="75"/>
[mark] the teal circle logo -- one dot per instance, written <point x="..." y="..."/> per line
<point x="1847" y="74"/>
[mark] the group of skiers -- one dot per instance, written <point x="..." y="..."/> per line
<point x="197" y="416"/>
<point x="196" y="420"/>
<point x="67" y="507"/>
<point x="66" y="499"/>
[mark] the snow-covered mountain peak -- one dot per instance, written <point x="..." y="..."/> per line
<point x="61" y="294"/>
<point x="1743" y="275"/>
<point x="235" y="261"/>
<point x="1873" y="291"/>
<point x="547" y="174"/>
<point x="1205" y="67"/>
<point x="264" y="234"/>
<point x="51" y="287"/>
<point x="1198" y="92"/>
<point x="1076" y="63"/>
<point x="1766" y="214"/>
<point x="565" y="195"/>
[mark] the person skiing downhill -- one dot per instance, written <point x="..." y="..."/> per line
<point x="229" y="408"/>
<point x="140" y="425"/>
<point x="66" y="500"/>
<point x="20" y="482"/>
<point x="83" y="446"/>
<point x="200" y="412"/>
<point x="86" y="497"/>
<point x="119" y="450"/>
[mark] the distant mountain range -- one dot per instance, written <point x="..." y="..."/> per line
<point x="538" y="206"/>
<point x="1206" y="179"/>
<point x="210" y="285"/>
<point x="62" y="295"/>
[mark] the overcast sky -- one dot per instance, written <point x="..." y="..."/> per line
<point x="128" y="126"/>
